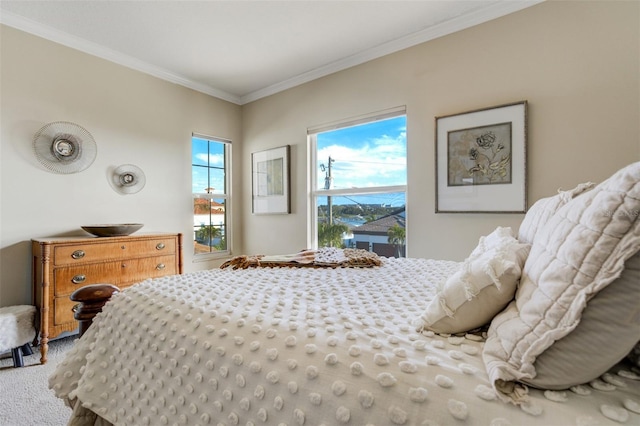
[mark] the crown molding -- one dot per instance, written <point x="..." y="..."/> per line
<point x="480" y="16"/>
<point x="459" y="23"/>
<point x="94" y="49"/>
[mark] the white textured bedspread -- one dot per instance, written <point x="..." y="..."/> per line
<point x="300" y="346"/>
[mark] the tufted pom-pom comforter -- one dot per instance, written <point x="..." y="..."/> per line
<point x="301" y="346"/>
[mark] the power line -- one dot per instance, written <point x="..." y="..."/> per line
<point x="369" y="162"/>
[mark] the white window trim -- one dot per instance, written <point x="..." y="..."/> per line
<point x="204" y="257"/>
<point x="360" y="119"/>
<point x="314" y="193"/>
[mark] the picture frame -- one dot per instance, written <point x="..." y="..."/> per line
<point x="481" y="160"/>
<point x="270" y="181"/>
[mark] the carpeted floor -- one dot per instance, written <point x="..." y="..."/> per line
<point x="25" y="397"/>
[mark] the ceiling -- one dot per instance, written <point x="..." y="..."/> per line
<point x="241" y="51"/>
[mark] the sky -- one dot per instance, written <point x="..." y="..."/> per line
<point x="203" y="150"/>
<point x="364" y="156"/>
<point x="372" y="154"/>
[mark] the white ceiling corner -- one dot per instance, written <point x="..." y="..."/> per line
<point x="241" y="51"/>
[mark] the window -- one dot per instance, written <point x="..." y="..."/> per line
<point x="359" y="182"/>
<point x="210" y="165"/>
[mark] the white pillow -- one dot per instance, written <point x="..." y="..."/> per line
<point x="543" y="209"/>
<point x="501" y="237"/>
<point x="578" y="252"/>
<point x="482" y="287"/>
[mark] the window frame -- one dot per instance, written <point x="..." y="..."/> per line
<point x="227" y="196"/>
<point x="314" y="192"/>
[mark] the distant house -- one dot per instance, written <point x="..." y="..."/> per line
<point x="203" y="209"/>
<point x="372" y="236"/>
<point x="207" y="211"/>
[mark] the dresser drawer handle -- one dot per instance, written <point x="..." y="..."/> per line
<point x="160" y="246"/>
<point x="160" y="266"/>
<point x="78" y="279"/>
<point x="78" y="254"/>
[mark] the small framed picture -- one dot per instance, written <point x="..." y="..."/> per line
<point x="481" y="159"/>
<point x="270" y="181"/>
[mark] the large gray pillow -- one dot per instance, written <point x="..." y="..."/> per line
<point x="607" y="332"/>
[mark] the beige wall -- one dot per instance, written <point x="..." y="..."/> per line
<point x="134" y="118"/>
<point x="577" y="64"/>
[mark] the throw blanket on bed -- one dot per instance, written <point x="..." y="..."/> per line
<point x="324" y="257"/>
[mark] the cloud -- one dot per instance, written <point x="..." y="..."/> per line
<point x="214" y="159"/>
<point x="376" y="162"/>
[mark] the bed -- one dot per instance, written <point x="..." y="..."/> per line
<point x="537" y="327"/>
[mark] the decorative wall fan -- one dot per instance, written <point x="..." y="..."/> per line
<point x="64" y="147"/>
<point x="127" y="179"/>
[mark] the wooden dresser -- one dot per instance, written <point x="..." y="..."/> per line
<point x="62" y="265"/>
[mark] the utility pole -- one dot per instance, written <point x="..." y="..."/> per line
<point x="327" y="185"/>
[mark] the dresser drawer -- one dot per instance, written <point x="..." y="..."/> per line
<point x="62" y="312"/>
<point x="69" y="279"/>
<point x="95" y="252"/>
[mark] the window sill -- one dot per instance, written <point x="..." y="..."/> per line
<point x="211" y="256"/>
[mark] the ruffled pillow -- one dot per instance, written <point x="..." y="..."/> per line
<point x="485" y="283"/>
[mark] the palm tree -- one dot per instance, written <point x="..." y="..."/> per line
<point x="330" y="235"/>
<point x="207" y="233"/>
<point x="222" y="245"/>
<point x="370" y="217"/>
<point x="397" y="236"/>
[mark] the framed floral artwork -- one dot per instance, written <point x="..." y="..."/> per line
<point x="481" y="159"/>
<point x="270" y="181"/>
